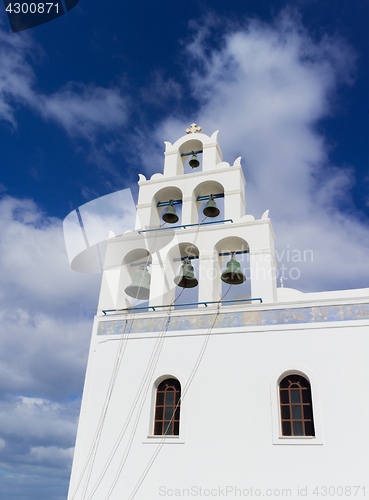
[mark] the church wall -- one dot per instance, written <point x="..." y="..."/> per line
<point x="229" y="417"/>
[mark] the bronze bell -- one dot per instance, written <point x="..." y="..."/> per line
<point x="140" y="286"/>
<point x="211" y="209"/>
<point x="170" y="215"/>
<point x="233" y="274"/>
<point x="194" y="162"/>
<point x="186" y="277"/>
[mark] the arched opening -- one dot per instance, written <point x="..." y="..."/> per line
<point x="174" y="270"/>
<point x="206" y="189"/>
<point x="163" y="197"/>
<point x="135" y="279"/>
<point x="237" y="248"/>
<point x="190" y="146"/>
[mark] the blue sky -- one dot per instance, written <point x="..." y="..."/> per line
<point x="86" y="102"/>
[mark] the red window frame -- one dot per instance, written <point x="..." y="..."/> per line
<point x="167" y="408"/>
<point x="296" y="406"/>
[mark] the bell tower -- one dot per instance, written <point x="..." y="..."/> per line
<point x="177" y="244"/>
<point x="209" y="239"/>
<point x="205" y="395"/>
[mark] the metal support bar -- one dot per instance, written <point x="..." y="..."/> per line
<point x="167" y="203"/>
<point x="191" y="257"/>
<point x="230" y="253"/>
<point x="188" y="257"/>
<point x="186" y="225"/>
<point x="192" y="153"/>
<point x="203" y="198"/>
<point x="179" y="202"/>
<point x="182" y="305"/>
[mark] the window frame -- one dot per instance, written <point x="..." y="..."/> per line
<point x="277" y="436"/>
<point x="150" y="408"/>
<point x="296" y="410"/>
<point x="174" y="408"/>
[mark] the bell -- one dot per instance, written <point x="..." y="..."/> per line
<point x="194" y="162"/>
<point x="140" y="286"/>
<point x="233" y="274"/>
<point x="186" y="277"/>
<point x="211" y="209"/>
<point x="170" y="215"/>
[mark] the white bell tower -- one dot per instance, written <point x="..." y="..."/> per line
<point x="208" y="241"/>
<point x="216" y="398"/>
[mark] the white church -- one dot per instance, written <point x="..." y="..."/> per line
<point x="205" y="376"/>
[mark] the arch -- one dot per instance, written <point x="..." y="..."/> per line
<point x="225" y="246"/>
<point x="167" y="407"/>
<point x="172" y="267"/>
<point x="130" y="264"/>
<point x="206" y="188"/>
<point x="163" y="195"/>
<point x="191" y="144"/>
<point x="295" y="403"/>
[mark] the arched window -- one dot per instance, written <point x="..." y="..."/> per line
<point x="296" y="407"/>
<point x="167" y="408"/>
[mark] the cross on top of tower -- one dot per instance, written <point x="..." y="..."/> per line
<point x="193" y="129"/>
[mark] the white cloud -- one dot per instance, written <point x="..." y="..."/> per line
<point x="45" y="323"/>
<point x="80" y="109"/>
<point x="38" y="419"/>
<point x="37" y="436"/>
<point x="83" y="109"/>
<point x="34" y="266"/>
<point x="46" y="312"/>
<point x="16" y="75"/>
<point x="52" y="455"/>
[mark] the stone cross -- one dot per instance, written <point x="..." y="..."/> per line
<point x="193" y="129"/>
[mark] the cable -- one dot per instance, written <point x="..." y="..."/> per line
<point x="146" y="377"/>
<point x="95" y="442"/>
<point x="183" y="394"/>
<point x="149" y="370"/>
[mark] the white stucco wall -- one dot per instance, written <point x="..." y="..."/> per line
<point x="230" y="430"/>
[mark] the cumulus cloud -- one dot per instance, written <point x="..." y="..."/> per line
<point x="265" y="87"/>
<point x="36" y="449"/>
<point x="80" y="109"/>
<point x="46" y="307"/>
<point x="45" y="324"/>
<point x="38" y="424"/>
<point x="84" y="109"/>
<point x="34" y="269"/>
<point x="16" y="75"/>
